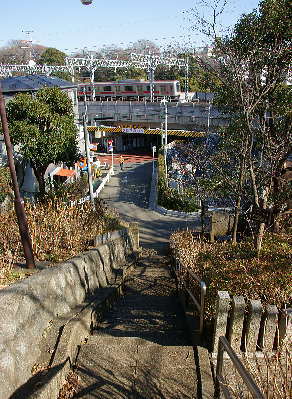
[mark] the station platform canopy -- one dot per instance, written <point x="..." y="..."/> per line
<point x="142" y="130"/>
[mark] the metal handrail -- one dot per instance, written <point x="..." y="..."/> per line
<point x="200" y="305"/>
<point x="247" y="378"/>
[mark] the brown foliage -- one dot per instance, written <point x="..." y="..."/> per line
<point x="58" y="231"/>
<point x="237" y="269"/>
<point x="272" y="375"/>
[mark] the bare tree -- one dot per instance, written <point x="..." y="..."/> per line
<point x="252" y="61"/>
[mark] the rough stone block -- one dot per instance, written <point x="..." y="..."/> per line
<point x="221" y="223"/>
<point x="285" y="326"/>
<point x="253" y="324"/>
<point x="236" y="322"/>
<point x="28" y="307"/>
<point x="270" y="327"/>
<point x="222" y="309"/>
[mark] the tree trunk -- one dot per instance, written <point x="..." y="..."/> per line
<point x="239" y="196"/>
<point x="39" y="172"/>
<point x="236" y="220"/>
<point x="259" y="238"/>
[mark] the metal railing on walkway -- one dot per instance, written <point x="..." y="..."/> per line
<point x="187" y="279"/>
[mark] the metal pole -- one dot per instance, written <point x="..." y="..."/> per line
<point x="165" y="132"/>
<point x="86" y="138"/>
<point x="151" y="79"/>
<point x="112" y="160"/>
<point x="153" y="152"/>
<point x="187" y="80"/>
<point x="209" y="116"/>
<point x="92" y="84"/>
<point x="18" y="202"/>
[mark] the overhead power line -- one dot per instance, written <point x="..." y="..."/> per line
<point x="91" y="64"/>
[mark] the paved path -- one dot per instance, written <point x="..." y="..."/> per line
<point x="128" y="191"/>
<point x="141" y="350"/>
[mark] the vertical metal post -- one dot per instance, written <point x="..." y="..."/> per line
<point x="151" y="80"/>
<point x="187" y="80"/>
<point x="18" y="202"/>
<point x="92" y="84"/>
<point x="153" y="152"/>
<point x="112" y="160"/>
<point x="165" y="134"/>
<point x="209" y="115"/>
<point x="86" y="138"/>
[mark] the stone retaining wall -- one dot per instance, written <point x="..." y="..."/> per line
<point x="28" y="308"/>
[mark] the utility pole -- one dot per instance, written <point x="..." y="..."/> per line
<point x="187" y="79"/>
<point x="28" y="32"/>
<point x="18" y="202"/>
<point x="86" y="139"/>
<point x="164" y="101"/>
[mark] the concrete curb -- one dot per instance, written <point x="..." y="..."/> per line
<point x="160" y="209"/>
<point x="29" y="306"/>
<point x="204" y="370"/>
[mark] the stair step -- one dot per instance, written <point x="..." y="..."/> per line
<point x="135" y="368"/>
<point x="142" y="349"/>
<point x="168" y="338"/>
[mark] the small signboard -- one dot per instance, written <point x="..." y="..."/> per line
<point x="132" y="130"/>
<point x="110" y="145"/>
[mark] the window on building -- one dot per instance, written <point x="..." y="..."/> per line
<point x="129" y="88"/>
<point x="107" y="88"/>
<point x="163" y="89"/>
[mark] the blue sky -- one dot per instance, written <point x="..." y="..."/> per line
<point x="67" y="24"/>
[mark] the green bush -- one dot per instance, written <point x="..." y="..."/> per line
<point x="169" y="198"/>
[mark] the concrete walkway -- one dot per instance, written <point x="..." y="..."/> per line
<point x="128" y="191"/>
<point x="141" y="350"/>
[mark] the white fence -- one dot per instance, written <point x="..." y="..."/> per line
<point x="105" y="180"/>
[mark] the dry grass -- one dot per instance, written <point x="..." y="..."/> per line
<point x="273" y="375"/>
<point x="58" y="231"/>
<point x="237" y="269"/>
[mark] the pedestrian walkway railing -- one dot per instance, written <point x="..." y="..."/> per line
<point x="221" y="383"/>
<point x="105" y="180"/>
<point x="188" y="282"/>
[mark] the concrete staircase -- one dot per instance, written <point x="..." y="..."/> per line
<point x="141" y="349"/>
